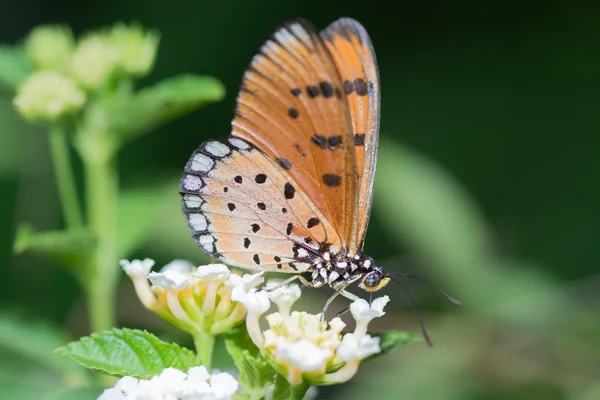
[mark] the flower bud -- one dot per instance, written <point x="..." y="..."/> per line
<point x="95" y="61"/>
<point x="50" y="47"/>
<point x="136" y="47"/>
<point x="48" y="96"/>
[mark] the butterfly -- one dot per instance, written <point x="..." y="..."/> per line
<point x="291" y="189"/>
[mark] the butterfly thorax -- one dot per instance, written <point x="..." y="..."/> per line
<point x="338" y="270"/>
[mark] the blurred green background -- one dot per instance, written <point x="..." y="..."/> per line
<point x="487" y="185"/>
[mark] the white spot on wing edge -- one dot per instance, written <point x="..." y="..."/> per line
<point x="207" y="243"/>
<point x="202" y="163"/>
<point x="192" y="182"/>
<point x="300" y="32"/>
<point x="198" y="222"/>
<point x="192" y="201"/>
<point x="239" y="143"/>
<point x="217" y="149"/>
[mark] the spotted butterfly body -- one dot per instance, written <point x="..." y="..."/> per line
<point x="290" y="190"/>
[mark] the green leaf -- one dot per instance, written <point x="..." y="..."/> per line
<point x="72" y="248"/>
<point x="138" y="213"/>
<point x="129" y="352"/>
<point x="256" y="374"/>
<point x="390" y="341"/>
<point x="14" y="66"/>
<point x="35" y="340"/>
<point x="165" y="101"/>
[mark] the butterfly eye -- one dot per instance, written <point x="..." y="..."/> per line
<point x="374" y="281"/>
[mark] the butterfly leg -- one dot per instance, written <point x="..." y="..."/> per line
<point x="285" y="282"/>
<point x="330" y="300"/>
<point x="347" y="295"/>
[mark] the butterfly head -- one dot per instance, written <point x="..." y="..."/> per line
<point x="374" y="280"/>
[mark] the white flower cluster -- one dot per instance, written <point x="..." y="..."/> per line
<point x="173" y="384"/>
<point x="302" y="346"/>
<point x="197" y="300"/>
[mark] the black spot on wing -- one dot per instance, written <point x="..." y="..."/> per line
<point x="260" y="178"/>
<point x="238" y="179"/>
<point x="284" y="163"/>
<point x="247" y="242"/>
<point x="296" y="91"/>
<point x="332" y="180"/>
<point x="334" y="141"/>
<point x="359" y="139"/>
<point x="261" y="206"/>
<point x="312" y="91"/>
<point x="256" y="259"/>
<point x="255" y="227"/>
<point x="289" y="191"/>
<point x="312" y="222"/>
<point x="326" y="89"/>
<point x="348" y="87"/>
<point x="293" y="113"/>
<point x="231" y="206"/>
<point x="319" y="140"/>
<point x="289" y="228"/>
<point x="361" y="87"/>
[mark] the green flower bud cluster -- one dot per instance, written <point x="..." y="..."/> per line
<point x="67" y="70"/>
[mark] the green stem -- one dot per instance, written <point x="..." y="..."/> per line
<point x="205" y="344"/>
<point x="297" y="392"/>
<point x="65" y="181"/>
<point x="102" y="200"/>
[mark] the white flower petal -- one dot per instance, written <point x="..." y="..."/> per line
<point x="379" y="303"/>
<point x="137" y="268"/>
<point x="363" y="313"/>
<point x="223" y="385"/>
<point x="212" y="272"/>
<point x="170" y="279"/>
<point x="305" y="355"/>
<point x="252" y="280"/>
<point x="284" y="296"/>
<point x="352" y="349"/>
<point x="181" y="266"/>
<point x="199" y="373"/>
<point x="255" y="301"/>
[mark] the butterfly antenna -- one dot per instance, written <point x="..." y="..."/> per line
<point x="414" y="307"/>
<point x="450" y="299"/>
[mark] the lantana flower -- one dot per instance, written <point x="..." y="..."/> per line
<point x="197" y="300"/>
<point x="48" y="96"/>
<point x="172" y="383"/>
<point x="302" y="346"/>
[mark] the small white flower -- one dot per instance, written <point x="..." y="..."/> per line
<point x="305" y="355"/>
<point x="182" y="266"/>
<point x="284" y="296"/>
<point x="248" y="281"/>
<point x="255" y="301"/>
<point x="352" y="348"/>
<point x="363" y="313"/>
<point x="170" y="279"/>
<point x="211" y="272"/>
<point x="173" y="384"/>
<point x="223" y="385"/>
<point x="171" y="378"/>
<point x="48" y="96"/>
<point x="199" y="373"/>
<point x="137" y="268"/>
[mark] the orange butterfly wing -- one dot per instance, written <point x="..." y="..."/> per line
<point x="354" y="56"/>
<point x="243" y="209"/>
<point x="292" y="106"/>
